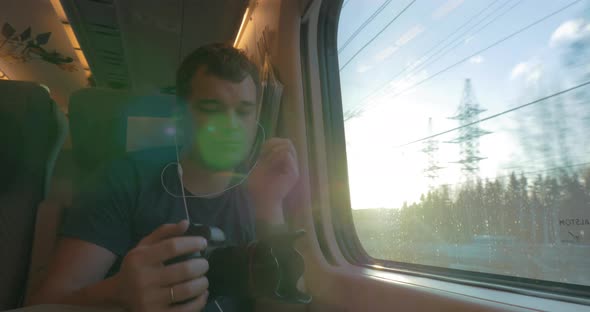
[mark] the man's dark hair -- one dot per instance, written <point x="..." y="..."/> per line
<point x="219" y="59"/>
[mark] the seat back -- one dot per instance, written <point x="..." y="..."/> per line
<point x="31" y="137"/>
<point x="49" y="216"/>
<point x="104" y="125"/>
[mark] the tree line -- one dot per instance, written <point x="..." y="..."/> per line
<point x="515" y="207"/>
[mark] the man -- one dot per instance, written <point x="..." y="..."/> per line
<point x="130" y="219"/>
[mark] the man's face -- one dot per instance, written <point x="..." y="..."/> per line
<point x="224" y="115"/>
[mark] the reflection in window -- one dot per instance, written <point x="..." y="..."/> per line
<point x="467" y="133"/>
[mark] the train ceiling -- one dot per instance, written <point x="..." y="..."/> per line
<point x="133" y="44"/>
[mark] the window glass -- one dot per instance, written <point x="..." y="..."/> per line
<point x="466" y="127"/>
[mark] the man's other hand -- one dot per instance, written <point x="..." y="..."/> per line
<point x="144" y="282"/>
<point x="273" y="178"/>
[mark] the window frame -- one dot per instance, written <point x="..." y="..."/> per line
<point x="343" y="225"/>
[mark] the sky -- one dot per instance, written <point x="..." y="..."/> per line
<point x="410" y="59"/>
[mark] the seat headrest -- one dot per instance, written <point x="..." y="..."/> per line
<point x="31" y="136"/>
<point x="28" y="124"/>
<point x="106" y="124"/>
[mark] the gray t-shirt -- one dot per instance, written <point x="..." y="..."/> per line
<point x="125" y="202"/>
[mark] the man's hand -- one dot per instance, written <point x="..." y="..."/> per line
<point x="273" y="178"/>
<point x="144" y="282"/>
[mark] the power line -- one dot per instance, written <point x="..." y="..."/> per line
<point x="442" y="41"/>
<point x="458" y="42"/>
<point x="181" y="31"/>
<point x="486" y="48"/>
<point x="363" y="25"/>
<point x="528" y="173"/>
<point x="457" y="30"/>
<point x="378" y="34"/>
<point x="542" y="170"/>
<point x="499" y="114"/>
<point x="440" y="53"/>
<point x="345" y="3"/>
<point x="425" y="64"/>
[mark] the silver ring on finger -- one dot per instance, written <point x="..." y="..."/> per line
<point x="172" y="300"/>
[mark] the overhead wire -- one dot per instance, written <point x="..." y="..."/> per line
<point x="547" y="170"/>
<point x="445" y="38"/>
<point x="441" y="53"/>
<point x="181" y="31"/>
<point x="364" y="24"/>
<point x="426" y="62"/>
<point x="445" y="49"/>
<point x="500" y="113"/>
<point x="519" y="31"/>
<point x="378" y="34"/>
<point x="526" y="173"/>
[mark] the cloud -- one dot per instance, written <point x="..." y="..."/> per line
<point x="446" y="8"/>
<point x="478" y="59"/>
<point x="406" y="37"/>
<point x="569" y="31"/>
<point x="519" y="70"/>
<point x="530" y="71"/>
<point x="534" y="75"/>
<point x="405" y="83"/>
<point x="410" y="35"/>
<point x="413" y="64"/>
<point x="386" y="53"/>
<point x="363" y="68"/>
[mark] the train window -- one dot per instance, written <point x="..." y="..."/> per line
<point x="466" y="135"/>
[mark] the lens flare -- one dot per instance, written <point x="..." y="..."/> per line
<point x="221" y="143"/>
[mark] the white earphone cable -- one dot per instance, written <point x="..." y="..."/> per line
<point x="179" y="170"/>
<point x="218" y="306"/>
<point x="182" y="191"/>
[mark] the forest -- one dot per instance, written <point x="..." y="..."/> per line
<point x="493" y="226"/>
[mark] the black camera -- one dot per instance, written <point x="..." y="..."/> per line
<point x="266" y="268"/>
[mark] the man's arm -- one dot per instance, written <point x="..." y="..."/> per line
<point x="275" y="176"/>
<point x="143" y="283"/>
<point x="92" y="232"/>
<point x="269" y="224"/>
<point x="77" y="264"/>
